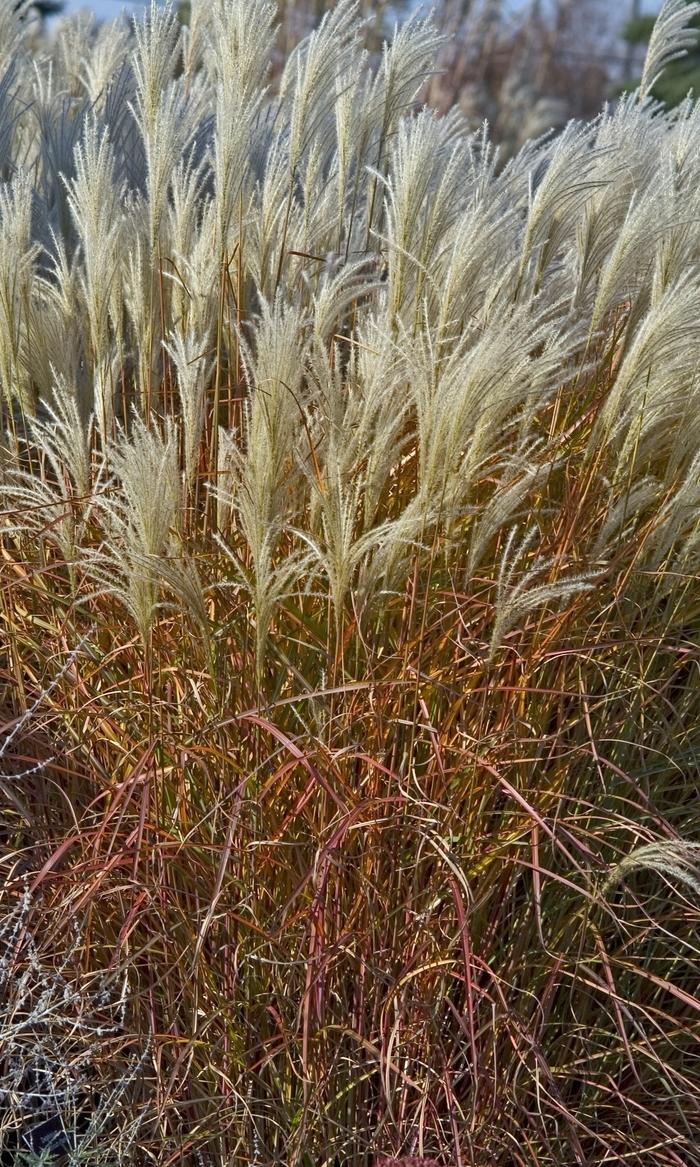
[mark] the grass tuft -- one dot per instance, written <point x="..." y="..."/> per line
<point x="349" y="532"/>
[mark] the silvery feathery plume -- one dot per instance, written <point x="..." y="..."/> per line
<point x="195" y="38"/>
<point x="308" y="80"/>
<point x="570" y="178"/>
<point x="277" y="220"/>
<point x="675" y="538"/>
<point x="270" y="578"/>
<point x="670" y="39"/>
<point x="424" y="196"/>
<point x="193" y="370"/>
<point x="676" y="245"/>
<point x="18" y="254"/>
<point x="305" y="133"/>
<point x="105" y="59"/>
<point x="57" y="331"/>
<point x="141" y="518"/>
<point x="355" y="417"/>
<point x="61" y="118"/>
<point x="194" y="275"/>
<point x="336" y="291"/>
<point x="54" y="503"/>
<point x="377" y="414"/>
<point x="474" y="270"/>
<point x="250" y="492"/>
<point x="117" y="113"/>
<point x="340" y="546"/>
<point x="265" y="479"/>
<point x="486" y="386"/>
<point x="142" y="551"/>
<point x="240" y="41"/>
<point x="165" y="114"/>
<point x="145" y="463"/>
<point x="352" y="138"/>
<point x="626" y="266"/>
<point x="318" y="196"/>
<point x="95" y="200"/>
<point x="73" y="43"/>
<point x="519" y="475"/>
<point x="677" y="859"/>
<point x="604" y="255"/>
<point x="185" y="215"/>
<point x="157" y="35"/>
<point x="622" y="515"/>
<point x="10" y="111"/>
<point x="654" y="377"/>
<point x="406" y="63"/>
<point x="227" y="478"/>
<point x="681" y="136"/>
<point x="631" y="132"/>
<point x="13" y="31"/>
<point x="176" y="120"/>
<point x="139" y="300"/>
<point x="274" y="360"/>
<point x="518" y="596"/>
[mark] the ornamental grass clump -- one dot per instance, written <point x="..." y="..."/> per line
<point x="350" y="532"/>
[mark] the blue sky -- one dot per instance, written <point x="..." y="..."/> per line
<point x="105" y="9"/>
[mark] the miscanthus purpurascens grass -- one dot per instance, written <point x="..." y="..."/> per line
<point x="349" y="623"/>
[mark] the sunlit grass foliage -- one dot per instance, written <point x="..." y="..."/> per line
<point x="349" y="666"/>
